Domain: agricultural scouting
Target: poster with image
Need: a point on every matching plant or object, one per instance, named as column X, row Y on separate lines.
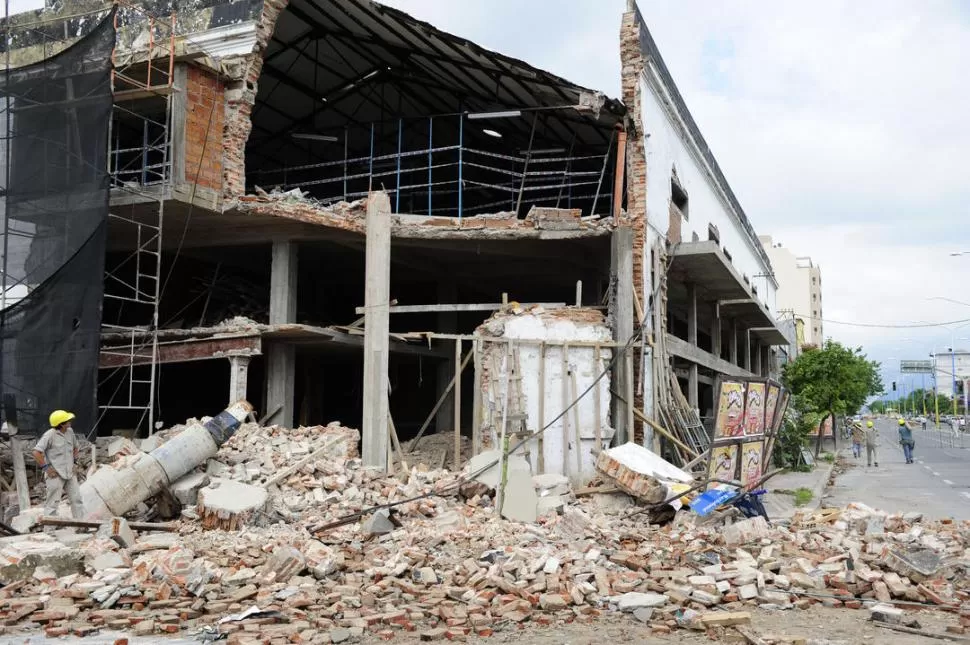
column 723, row 462
column 754, row 409
column 730, row 409
column 752, row 454
column 771, row 405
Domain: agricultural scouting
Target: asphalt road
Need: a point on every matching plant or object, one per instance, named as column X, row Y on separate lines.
column 938, row 484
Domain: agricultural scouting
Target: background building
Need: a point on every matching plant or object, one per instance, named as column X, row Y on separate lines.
column 799, row 294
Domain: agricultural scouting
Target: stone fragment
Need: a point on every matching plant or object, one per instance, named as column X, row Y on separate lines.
column 339, row 635
column 552, row 602
column 725, row 618
column 886, row 614
column 635, row 600
column 229, row 505
column 643, row 614
column 117, row 529
column 379, row 523
column 745, row 531
column 286, row 562
column 186, row 490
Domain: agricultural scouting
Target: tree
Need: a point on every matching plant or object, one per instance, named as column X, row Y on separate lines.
column 833, row 380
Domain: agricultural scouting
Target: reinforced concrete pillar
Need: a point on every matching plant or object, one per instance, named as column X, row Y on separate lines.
column 377, row 290
column 238, row 377
column 281, row 357
column 622, row 268
column 747, row 350
column 692, row 397
column 733, row 343
column 716, row 330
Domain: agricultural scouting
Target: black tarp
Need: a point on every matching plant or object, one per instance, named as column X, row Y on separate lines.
column 54, row 121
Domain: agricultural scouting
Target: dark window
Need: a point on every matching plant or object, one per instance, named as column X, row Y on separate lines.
column 713, row 234
column 679, row 197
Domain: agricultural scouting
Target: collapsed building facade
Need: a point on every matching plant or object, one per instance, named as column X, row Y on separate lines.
column 337, row 211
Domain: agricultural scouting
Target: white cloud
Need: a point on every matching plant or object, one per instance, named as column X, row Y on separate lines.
column 841, row 126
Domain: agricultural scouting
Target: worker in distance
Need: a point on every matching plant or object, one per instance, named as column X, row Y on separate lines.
column 56, row 454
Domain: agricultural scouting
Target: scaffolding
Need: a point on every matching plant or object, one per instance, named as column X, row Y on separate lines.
column 140, row 167
column 443, row 175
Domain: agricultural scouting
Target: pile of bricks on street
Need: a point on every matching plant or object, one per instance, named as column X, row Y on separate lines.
column 447, row 566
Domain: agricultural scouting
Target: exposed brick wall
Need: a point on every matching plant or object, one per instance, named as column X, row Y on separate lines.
column 205, row 112
column 240, row 100
column 632, row 65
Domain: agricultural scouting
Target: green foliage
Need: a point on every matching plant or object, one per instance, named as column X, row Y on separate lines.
column 834, row 379
column 803, row 496
column 827, row 457
column 792, row 437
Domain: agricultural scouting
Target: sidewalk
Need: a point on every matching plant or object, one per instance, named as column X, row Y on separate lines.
column 781, row 506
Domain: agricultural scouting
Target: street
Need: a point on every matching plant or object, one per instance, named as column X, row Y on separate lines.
column 938, row 484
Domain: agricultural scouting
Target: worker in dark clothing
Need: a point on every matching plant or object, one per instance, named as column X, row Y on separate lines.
column 906, row 440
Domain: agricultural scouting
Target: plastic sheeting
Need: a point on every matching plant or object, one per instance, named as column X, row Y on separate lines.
column 54, row 122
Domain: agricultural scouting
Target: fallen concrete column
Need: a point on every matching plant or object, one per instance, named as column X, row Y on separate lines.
column 112, row 492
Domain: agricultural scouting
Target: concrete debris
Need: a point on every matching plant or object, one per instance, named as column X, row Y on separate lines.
column 186, row 490
column 640, row 472
column 449, row 567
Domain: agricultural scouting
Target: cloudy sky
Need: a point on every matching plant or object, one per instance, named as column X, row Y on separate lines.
column 842, row 126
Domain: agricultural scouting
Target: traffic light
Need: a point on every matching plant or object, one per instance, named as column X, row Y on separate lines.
column 894, row 386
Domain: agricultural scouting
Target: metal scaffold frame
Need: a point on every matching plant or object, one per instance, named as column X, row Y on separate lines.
column 144, row 170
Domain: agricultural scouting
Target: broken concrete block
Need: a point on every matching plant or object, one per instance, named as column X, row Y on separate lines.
column 745, row 531
column 426, row 576
column 117, row 529
column 520, row 502
column 552, row 602
column 286, row 562
column 551, row 484
column 107, row 560
column 186, row 489
column 550, row 504
column 725, row 618
column 747, row 592
column 551, row 566
column 379, row 523
column 26, row 520
column 229, row 505
column 643, row 614
column 886, row 614
column 635, row 600
column 640, row 472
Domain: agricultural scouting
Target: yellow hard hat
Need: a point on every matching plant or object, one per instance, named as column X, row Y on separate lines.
column 868, row 424
column 60, row 416
column 902, row 422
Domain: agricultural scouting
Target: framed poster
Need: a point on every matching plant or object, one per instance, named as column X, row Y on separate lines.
column 754, row 408
column 729, row 421
column 723, row 463
column 771, row 405
column 752, row 460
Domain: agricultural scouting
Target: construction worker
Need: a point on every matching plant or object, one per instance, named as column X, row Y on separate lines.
column 871, row 435
column 906, row 440
column 858, row 436
column 56, row 453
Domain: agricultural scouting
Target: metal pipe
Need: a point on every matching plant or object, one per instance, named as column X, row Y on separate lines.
column 525, row 165
column 397, row 191
column 430, row 148
column 370, row 163
column 461, row 146
column 111, row 492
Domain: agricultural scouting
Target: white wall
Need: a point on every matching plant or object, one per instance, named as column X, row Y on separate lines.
column 795, row 288
column 550, row 327
column 666, row 148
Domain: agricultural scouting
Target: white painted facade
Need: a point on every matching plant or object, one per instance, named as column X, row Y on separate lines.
column 799, row 289
column 947, row 364
column 559, row 446
column 670, row 148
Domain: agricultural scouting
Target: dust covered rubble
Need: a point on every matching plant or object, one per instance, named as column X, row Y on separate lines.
column 448, row 567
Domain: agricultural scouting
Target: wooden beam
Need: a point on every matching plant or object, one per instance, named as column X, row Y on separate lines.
column 437, row 406
column 425, row 309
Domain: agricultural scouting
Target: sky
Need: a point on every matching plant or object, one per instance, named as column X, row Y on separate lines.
column 841, row 126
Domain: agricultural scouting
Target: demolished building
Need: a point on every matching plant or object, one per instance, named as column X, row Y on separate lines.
column 340, row 201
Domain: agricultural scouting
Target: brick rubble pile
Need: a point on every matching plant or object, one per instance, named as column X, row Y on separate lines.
column 447, row 567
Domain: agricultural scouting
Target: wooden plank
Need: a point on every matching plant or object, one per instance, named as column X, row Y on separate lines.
column 923, row 632
column 564, row 376
column 169, row 527
column 19, row 470
column 576, row 429
column 592, row 490
column 477, row 399
column 484, row 306
column 541, row 459
column 437, row 406
column 597, row 403
column 459, row 366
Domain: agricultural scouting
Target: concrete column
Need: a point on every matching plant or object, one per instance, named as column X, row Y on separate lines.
column 733, row 343
column 238, row 377
column 756, row 358
column 716, row 330
column 377, row 289
column 281, row 357
column 692, row 314
column 692, row 385
column 747, row 350
column 447, row 322
column 622, row 268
